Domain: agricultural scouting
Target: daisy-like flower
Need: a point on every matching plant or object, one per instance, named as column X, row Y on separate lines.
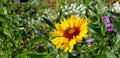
column 69, row 32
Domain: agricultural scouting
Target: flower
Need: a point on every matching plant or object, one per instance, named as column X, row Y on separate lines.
column 109, row 25
column 69, row 32
column 106, row 19
column 89, row 40
column 116, row 7
column 74, row 9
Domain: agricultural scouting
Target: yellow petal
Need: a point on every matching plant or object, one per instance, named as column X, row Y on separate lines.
column 83, row 30
column 83, row 33
column 62, row 42
column 75, row 20
column 78, row 39
column 59, row 41
column 72, row 41
column 66, row 48
column 71, row 44
column 57, row 33
column 64, row 27
column 82, row 21
column 55, row 41
column 65, row 42
column 59, row 27
column 65, row 22
column 70, row 23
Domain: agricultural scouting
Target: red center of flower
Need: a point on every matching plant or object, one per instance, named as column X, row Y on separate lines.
column 71, row 32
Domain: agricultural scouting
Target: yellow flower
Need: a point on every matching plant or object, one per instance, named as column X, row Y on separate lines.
column 69, row 32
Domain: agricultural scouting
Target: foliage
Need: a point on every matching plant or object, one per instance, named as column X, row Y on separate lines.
column 25, row 29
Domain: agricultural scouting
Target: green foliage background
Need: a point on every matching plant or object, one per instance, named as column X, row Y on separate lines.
column 24, row 31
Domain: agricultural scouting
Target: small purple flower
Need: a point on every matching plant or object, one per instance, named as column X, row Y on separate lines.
column 110, row 29
column 106, row 19
column 90, row 42
column 109, row 25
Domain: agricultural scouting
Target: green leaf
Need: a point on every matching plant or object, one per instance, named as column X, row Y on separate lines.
column 35, row 40
column 36, row 55
column 110, row 54
column 3, row 1
column 23, row 55
column 116, row 24
column 5, row 25
column 31, row 54
column 62, row 55
column 48, row 22
column 7, row 33
column 118, row 40
column 7, row 54
column 100, row 56
column 92, row 8
column 1, row 56
column 103, row 29
column 42, row 38
column 58, row 19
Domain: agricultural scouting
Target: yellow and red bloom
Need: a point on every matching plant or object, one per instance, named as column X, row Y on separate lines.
column 69, row 32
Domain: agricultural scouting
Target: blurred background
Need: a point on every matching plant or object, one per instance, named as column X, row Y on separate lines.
column 25, row 27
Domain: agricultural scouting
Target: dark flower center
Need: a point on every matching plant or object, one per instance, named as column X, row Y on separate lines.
column 71, row 32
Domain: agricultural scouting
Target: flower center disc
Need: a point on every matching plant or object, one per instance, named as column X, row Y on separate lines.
column 71, row 32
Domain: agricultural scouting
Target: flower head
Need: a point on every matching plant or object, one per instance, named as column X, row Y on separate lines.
column 109, row 25
column 106, row 19
column 69, row 32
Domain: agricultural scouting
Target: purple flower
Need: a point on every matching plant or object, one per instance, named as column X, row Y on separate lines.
column 109, row 25
column 90, row 42
column 106, row 19
column 110, row 29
